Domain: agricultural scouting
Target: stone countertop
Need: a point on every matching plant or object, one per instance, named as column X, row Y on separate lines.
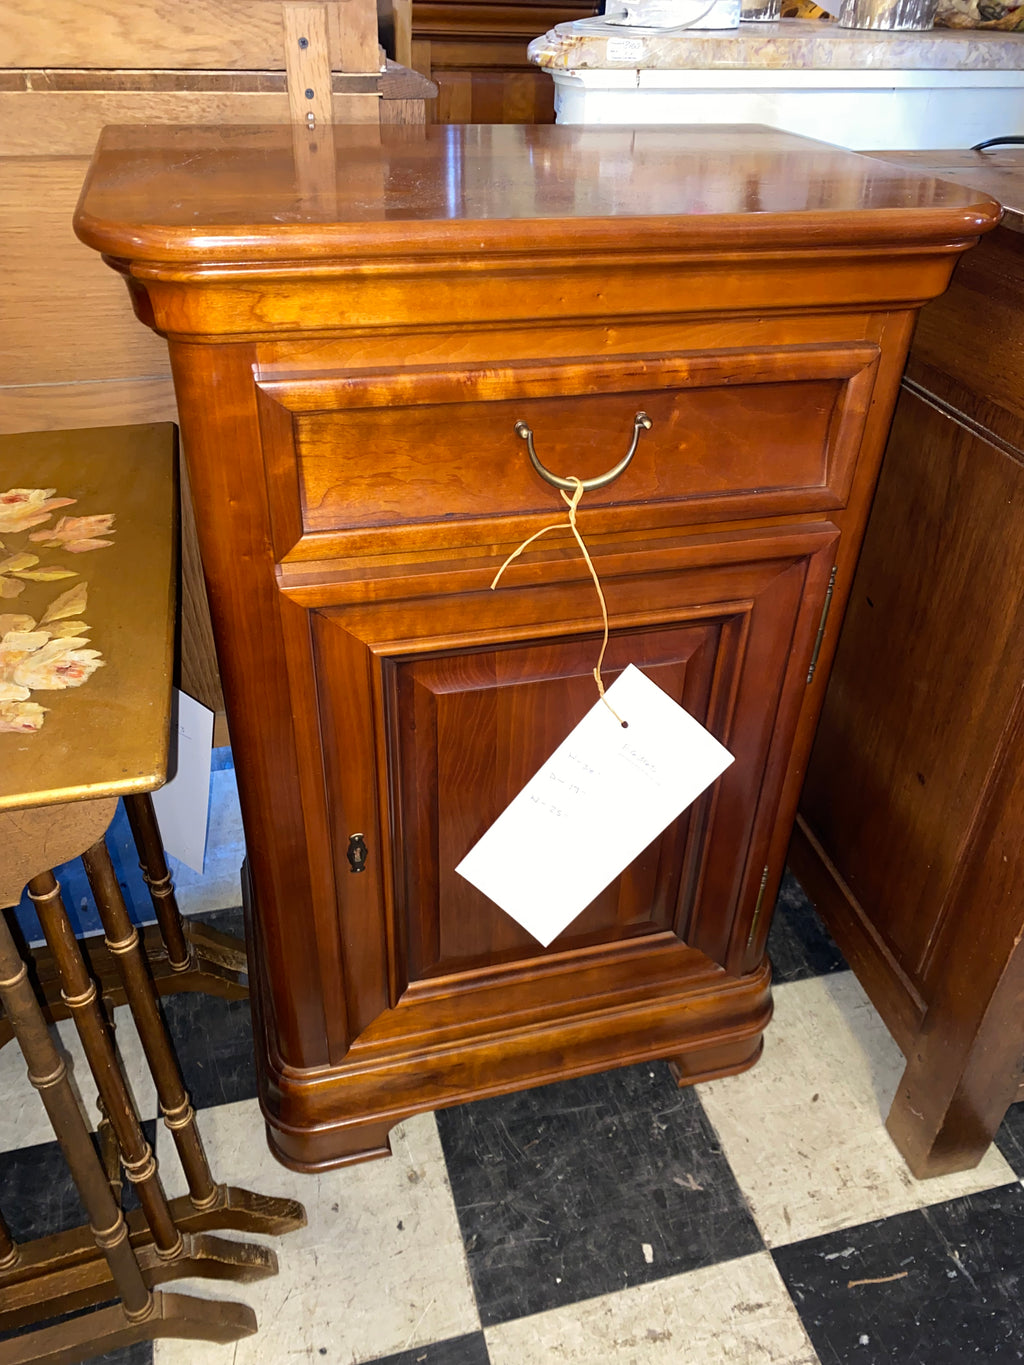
column 789, row 44
column 999, row 173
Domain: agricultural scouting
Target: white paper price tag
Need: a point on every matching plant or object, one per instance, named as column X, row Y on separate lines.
column 600, row 799
column 624, row 49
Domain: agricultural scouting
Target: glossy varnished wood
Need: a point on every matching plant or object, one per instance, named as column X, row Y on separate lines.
column 372, row 322
column 196, row 193
column 914, row 857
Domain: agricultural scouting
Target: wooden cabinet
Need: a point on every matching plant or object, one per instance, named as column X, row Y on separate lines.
column 475, row 52
column 350, row 367
column 910, row 832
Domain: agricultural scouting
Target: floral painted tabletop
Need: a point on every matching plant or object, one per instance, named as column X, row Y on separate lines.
column 87, row 553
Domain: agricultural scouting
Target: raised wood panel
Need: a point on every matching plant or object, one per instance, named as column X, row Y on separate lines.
column 728, row 641
column 701, row 445
column 770, row 431
column 477, row 95
column 472, row 730
column 944, row 546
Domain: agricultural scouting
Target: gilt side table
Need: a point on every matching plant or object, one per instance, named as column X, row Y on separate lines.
column 86, row 645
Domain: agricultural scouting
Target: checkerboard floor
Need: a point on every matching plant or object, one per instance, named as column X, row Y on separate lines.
column 762, row 1218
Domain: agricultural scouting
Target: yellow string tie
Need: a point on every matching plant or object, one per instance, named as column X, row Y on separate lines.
column 572, row 504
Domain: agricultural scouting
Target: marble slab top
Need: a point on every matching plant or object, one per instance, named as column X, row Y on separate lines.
column 789, row 44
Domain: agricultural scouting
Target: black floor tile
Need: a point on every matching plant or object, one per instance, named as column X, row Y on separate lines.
column 230, row 920
column 1010, row 1138
column 213, row 1040
column 799, row 945
column 468, row 1350
column 38, row 1196
column 585, row 1186
column 213, row 1037
column 938, row 1286
column 139, row 1354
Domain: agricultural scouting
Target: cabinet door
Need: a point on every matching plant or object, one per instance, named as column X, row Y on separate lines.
column 435, row 712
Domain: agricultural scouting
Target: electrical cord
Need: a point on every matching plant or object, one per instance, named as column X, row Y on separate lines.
column 1017, row 140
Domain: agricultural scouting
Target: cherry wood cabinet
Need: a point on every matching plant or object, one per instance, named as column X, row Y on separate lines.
column 355, row 330
column 909, row 837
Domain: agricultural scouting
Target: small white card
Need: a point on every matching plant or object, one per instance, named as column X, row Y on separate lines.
column 600, row 799
column 183, row 803
column 624, row 49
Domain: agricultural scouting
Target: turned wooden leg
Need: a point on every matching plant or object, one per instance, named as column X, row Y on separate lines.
column 153, row 862
column 59, row 1272
column 123, row 942
column 228, row 1206
column 204, row 959
column 82, row 1000
column 48, row 1073
column 8, row 1248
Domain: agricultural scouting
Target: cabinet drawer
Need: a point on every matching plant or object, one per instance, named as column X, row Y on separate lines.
column 363, row 462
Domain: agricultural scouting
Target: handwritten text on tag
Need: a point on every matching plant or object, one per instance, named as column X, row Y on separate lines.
column 600, row 799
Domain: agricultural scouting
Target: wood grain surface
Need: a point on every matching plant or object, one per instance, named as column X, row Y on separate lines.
column 915, row 782
column 350, row 354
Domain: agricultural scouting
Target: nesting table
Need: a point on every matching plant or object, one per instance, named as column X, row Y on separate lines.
column 87, row 525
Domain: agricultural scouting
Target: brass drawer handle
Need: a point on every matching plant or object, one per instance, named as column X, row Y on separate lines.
column 640, row 423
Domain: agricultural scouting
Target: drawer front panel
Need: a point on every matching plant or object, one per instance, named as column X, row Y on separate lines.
column 364, row 461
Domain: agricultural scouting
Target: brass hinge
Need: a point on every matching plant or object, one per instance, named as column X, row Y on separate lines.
column 822, row 623
column 758, row 905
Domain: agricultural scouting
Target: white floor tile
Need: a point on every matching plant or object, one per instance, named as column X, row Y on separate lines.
column 23, row 1120
column 804, row 1130
column 734, row 1313
column 380, row 1268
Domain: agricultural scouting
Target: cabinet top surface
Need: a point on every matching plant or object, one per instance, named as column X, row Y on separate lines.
column 999, row 173
column 252, row 194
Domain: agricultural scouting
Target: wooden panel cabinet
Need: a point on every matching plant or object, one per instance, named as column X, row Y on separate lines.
column 350, row 369
column 910, row 832
column 475, row 52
